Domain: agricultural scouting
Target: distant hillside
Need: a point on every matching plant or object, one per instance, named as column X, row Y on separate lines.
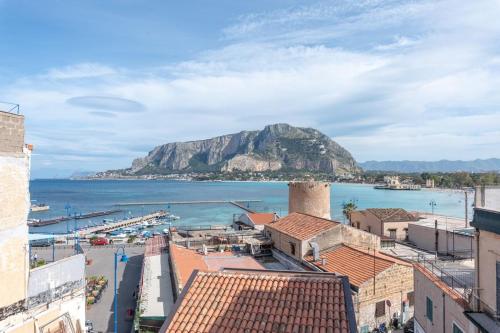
column 491, row 164
column 276, row 147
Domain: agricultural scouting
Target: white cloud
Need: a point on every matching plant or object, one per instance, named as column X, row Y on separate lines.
column 389, row 80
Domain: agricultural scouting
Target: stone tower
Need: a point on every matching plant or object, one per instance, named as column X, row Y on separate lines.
column 309, row 197
column 14, row 207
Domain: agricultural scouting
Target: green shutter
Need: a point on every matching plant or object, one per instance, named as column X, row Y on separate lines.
column 429, row 307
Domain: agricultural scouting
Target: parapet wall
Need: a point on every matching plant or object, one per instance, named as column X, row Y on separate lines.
column 11, row 133
column 310, row 197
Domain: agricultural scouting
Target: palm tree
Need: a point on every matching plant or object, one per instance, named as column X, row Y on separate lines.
column 348, row 208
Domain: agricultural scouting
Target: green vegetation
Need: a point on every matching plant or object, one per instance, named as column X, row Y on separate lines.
column 348, row 208
column 441, row 179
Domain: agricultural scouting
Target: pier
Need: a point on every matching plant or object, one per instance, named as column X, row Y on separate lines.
column 121, row 224
column 237, row 204
column 194, row 202
column 42, row 223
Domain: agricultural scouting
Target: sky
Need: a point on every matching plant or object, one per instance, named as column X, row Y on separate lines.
column 103, row 82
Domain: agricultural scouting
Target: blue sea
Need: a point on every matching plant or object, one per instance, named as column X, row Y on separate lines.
column 84, row 196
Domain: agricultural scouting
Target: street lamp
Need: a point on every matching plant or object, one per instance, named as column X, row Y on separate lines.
column 432, row 204
column 123, row 258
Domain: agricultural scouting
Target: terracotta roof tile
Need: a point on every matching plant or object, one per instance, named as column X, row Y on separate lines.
column 302, row 226
column 356, row 264
column 262, row 218
column 238, row 303
column 392, row 214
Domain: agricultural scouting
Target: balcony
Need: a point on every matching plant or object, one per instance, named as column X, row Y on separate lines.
column 55, row 280
column 486, row 318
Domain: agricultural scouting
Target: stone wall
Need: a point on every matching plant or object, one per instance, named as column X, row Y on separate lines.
column 11, row 133
column 283, row 243
column 14, row 208
column 392, row 285
column 311, row 198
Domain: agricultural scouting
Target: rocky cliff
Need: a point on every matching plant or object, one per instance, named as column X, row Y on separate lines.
column 276, row 147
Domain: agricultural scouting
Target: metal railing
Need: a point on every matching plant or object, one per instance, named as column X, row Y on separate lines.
column 9, row 107
column 460, row 285
column 480, row 306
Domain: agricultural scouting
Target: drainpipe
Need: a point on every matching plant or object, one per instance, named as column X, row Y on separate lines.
column 444, row 313
column 436, row 238
column 476, row 260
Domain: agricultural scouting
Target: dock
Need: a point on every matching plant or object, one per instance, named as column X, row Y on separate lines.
column 194, row 202
column 239, row 205
column 121, row 224
column 60, row 219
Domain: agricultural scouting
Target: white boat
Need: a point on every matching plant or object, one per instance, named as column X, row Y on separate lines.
column 166, row 232
column 39, row 207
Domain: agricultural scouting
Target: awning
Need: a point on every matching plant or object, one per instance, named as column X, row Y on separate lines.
column 482, row 321
column 34, row 237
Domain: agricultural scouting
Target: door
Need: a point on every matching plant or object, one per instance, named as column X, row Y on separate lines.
column 498, row 286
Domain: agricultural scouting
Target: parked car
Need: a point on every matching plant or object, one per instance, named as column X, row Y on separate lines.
column 99, row 241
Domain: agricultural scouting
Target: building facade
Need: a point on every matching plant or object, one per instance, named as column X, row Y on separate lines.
column 50, row 298
column 384, row 222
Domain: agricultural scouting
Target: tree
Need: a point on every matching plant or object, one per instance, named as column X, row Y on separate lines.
column 348, row 208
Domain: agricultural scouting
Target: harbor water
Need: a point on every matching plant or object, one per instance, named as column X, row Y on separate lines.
column 84, row 196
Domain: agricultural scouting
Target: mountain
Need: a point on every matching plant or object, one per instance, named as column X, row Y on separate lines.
column 491, row 164
column 276, row 147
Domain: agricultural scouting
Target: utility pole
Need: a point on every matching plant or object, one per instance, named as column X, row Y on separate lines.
column 466, row 209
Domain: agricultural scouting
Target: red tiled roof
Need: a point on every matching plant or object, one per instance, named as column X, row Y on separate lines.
column 392, row 214
column 302, row 226
column 261, row 218
column 356, row 264
column 263, row 301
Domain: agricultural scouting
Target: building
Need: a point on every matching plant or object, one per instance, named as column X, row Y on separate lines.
column 442, row 235
column 485, row 313
column 263, row 301
column 254, row 220
column 382, row 285
column 155, row 298
column 312, row 198
column 384, row 222
column 429, row 183
column 293, row 233
column 440, row 300
column 49, row 298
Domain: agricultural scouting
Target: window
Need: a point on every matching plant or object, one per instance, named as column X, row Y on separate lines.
column 292, row 248
column 411, row 298
column 369, row 229
column 457, row 329
column 380, row 309
column 428, row 309
column 392, row 233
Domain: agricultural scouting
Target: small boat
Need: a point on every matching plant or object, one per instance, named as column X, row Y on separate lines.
column 166, row 232
column 156, row 233
column 39, row 207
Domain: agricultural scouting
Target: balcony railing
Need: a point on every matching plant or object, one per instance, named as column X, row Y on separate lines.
column 9, row 107
column 53, row 281
column 463, row 285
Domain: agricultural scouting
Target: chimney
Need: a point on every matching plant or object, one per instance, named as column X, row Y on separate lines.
column 205, row 250
column 315, row 248
column 323, row 261
column 275, row 217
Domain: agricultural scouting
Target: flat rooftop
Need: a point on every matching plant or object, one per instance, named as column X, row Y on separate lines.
column 444, row 222
column 156, row 296
column 187, row 260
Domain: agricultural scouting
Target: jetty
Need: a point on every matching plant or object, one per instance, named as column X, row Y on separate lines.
column 41, row 223
column 122, row 223
column 193, row 202
column 237, row 204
